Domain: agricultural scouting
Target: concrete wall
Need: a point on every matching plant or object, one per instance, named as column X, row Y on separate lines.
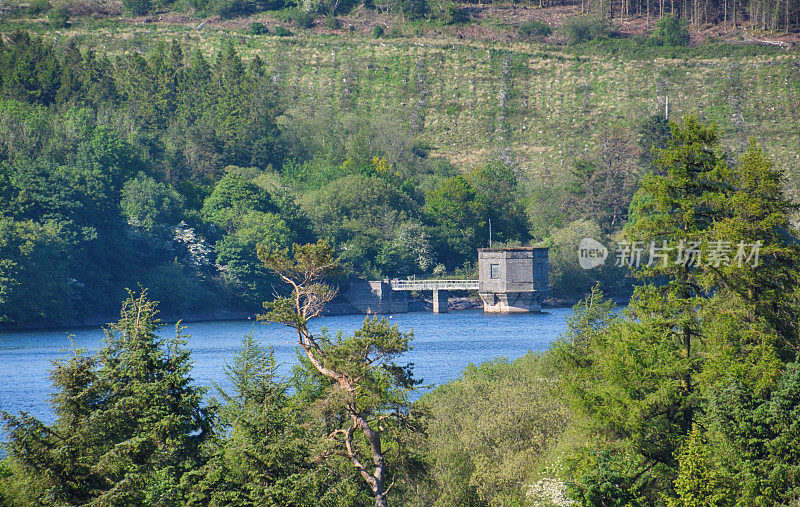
column 375, row 297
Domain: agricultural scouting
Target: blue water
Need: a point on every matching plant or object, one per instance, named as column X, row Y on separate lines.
column 444, row 344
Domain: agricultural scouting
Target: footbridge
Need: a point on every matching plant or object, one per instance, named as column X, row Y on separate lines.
column 440, row 289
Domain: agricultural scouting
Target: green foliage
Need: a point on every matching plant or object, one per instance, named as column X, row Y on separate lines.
column 305, row 268
column 232, row 198
column 480, row 457
column 654, row 135
column 303, row 19
column 303, row 15
column 459, row 216
column 601, row 189
column 359, row 385
column 129, row 421
column 257, row 28
column 671, row 31
column 580, row 29
column 39, row 7
column 700, row 480
column 567, row 278
column 543, row 207
column 745, row 451
column 232, row 8
column 377, row 32
column 496, row 187
column 534, row 30
column 282, row 32
column 148, row 204
column 697, row 335
column 608, row 482
column 59, row 16
column 176, row 288
column 332, row 22
column 448, row 12
column 633, row 401
column 236, row 254
column 262, row 454
column 75, row 176
column 137, row 7
column 410, row 9
column 367, row 218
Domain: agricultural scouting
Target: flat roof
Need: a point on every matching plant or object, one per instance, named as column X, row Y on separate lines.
column 513, row 249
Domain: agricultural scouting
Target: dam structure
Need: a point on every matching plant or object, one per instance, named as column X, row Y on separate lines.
column 510, row 280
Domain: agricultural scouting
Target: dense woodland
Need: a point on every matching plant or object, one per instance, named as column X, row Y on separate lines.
column 166, row 170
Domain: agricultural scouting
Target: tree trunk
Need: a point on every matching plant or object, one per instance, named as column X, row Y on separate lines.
column 374, row 479
column 786, row 17
column 725, row 15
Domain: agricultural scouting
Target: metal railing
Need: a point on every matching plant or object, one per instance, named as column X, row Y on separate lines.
column 434, row 284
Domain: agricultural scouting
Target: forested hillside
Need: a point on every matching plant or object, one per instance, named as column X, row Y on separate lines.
column 164, row 156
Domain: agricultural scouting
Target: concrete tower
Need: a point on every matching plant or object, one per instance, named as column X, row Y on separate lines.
column 512, row 279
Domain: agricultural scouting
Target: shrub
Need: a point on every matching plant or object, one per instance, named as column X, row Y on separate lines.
column 232, row 8
column 671, row 31
column 463, row 420
column 447, row 11
column 456, row 15
column 282, row 32
column 332, row 22
column 39, row 7
column 377, row 32
column 411, row 9
column 534, row 30
column 585, row 28
column 137, row 7
column 257, row 28
column 396, row 32
column 59, row 16
column 303, row 19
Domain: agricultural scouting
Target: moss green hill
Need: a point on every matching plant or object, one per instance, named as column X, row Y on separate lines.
column 538, row 105
column 472, row 101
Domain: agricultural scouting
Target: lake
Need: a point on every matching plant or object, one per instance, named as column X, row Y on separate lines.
column 444, row 344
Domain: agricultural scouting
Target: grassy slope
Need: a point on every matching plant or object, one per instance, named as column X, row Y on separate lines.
column 542, row 105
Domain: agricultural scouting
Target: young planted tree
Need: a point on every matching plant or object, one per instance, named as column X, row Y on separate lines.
column 361, row 381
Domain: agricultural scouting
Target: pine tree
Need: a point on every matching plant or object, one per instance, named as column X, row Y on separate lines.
column 719, row 305
column 129, row 421
column 356, row 377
